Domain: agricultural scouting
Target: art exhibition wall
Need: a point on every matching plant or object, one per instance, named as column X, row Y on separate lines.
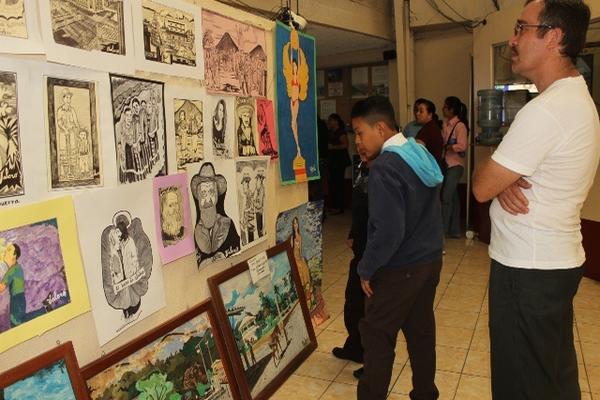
column 185, row 285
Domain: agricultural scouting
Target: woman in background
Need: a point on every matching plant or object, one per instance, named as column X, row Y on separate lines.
column 430, row 134
column 338, row 160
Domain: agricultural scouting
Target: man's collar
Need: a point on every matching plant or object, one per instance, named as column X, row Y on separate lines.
column 397, row 140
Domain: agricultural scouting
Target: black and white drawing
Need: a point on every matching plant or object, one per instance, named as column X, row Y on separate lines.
column 215, row 233
column 172, row 226
column 12, row 19
column 73, row 133
column 222, row 122
column 245, row 126
column 189, row 131
column 251, row 180
column 139, row 121
column 89, row 25
column 169, row 34
column 11, row 173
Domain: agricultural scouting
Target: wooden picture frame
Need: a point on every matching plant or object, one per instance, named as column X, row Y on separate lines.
column 54, row 362
column 152, row 341
column 253, row 331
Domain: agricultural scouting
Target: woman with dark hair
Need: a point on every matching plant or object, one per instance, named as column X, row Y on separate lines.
column 303, row 269
column 455, row 132
column 430, row 134
column 338, row 160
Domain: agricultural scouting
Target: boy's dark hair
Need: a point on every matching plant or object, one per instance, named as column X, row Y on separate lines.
column 375, row 109
column 572, row 17
column 17, row 250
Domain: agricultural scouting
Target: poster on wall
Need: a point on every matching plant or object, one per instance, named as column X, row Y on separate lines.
column 19, row 27
column 174, row 233
column 188, row 117
column 223, row 125
column 139, row 123
column 235, row 57
column 167, row 36
column 11, row 169
column 303, row 228
column 380, row 80
column 360, row 82
column 42, row 283
column 123, row 269
column 90, row 34
column 267, row 141
column 185, row 358
column 296, row 105
column 264, row 320
column 251, row 177
column 73, row 140
column 245, row 126
column 215, row 211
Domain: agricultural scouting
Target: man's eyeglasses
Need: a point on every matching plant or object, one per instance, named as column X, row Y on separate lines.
column 519, row 27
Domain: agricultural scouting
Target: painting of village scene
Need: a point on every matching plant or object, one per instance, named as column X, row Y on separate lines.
column 32, row 273
column 266, row 322
column 235, row 59
column 89, row 25
column 180, row 362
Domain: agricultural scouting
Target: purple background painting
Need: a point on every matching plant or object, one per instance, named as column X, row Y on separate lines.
column 43, row 267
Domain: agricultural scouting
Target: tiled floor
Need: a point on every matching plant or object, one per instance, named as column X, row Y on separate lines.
column 461, row 316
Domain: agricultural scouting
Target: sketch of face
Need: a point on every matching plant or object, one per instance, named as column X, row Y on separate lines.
column 122, row 227
column 245, row 117
column 67, row 98
column 208, row 203
column 128, row 116
column 220, row 112
column 143, row 104
column 181, row 116
column 136, row 107
column 171, row 215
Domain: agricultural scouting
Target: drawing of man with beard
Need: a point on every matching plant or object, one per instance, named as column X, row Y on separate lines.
column 171, row 216
column 215, row 234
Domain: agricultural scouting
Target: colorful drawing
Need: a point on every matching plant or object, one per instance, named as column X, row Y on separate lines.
column 267, row 143
column 53, row 375
column 215, row 232
column 73, row 133
column 245, row 126
column 251, row 177
column 265, row 322
column 182, row 359
column 302, row 228
column 223, row 121
column 11, row 172
column 189, row 131
column 172, row 213
column 12, row 19
column 41, row 282
column 139, row 121
column 296, row 105
column 234, row 56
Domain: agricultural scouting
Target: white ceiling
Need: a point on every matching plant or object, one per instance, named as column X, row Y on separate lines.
column 331, row 41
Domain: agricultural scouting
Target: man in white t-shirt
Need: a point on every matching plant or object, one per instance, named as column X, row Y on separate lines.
column 540, row 176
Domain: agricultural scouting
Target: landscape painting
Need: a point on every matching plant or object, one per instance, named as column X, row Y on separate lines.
column 53, row 375
column 235, row 58
column 11, row 171
column 302, row 227
column 265, row 322
column 181, row 359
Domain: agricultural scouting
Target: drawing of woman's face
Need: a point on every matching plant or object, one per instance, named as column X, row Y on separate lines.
column 245, row 117
column 220, row 111
column 295, row 224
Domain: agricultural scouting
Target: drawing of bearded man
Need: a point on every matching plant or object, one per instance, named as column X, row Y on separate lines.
column 171, row 216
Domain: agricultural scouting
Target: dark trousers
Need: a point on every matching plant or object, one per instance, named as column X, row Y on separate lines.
column 531, row 333
column 354, row 310
column 402, row 299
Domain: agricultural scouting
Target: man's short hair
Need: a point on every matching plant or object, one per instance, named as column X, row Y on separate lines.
column 17, row 250
column 572, row 17
column 375, row 109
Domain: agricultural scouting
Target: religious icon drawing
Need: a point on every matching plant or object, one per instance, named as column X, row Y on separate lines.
column 235, row 61
column 11, row 172
column 245, row 126
column 251, row 177
column 223, row 123
column 139, row 122
column 189, row 131
column 267, row 143
column 73, row 133
column 12, row 19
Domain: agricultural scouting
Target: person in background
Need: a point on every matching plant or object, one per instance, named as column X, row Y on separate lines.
column 430, row 134
column 315, row 186
column 338, row 160
column 413, row 127
column 540, row 176
column 354, row 304
column 401, row 263
column 455, row 133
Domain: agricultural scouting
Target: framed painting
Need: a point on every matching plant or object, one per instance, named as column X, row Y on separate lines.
column 302, row 227
column 42, row 283
column 53, row 375
column 252, row 180
column 184, row 358
column 235, row 57
column 265, row 320
column 296, row 105
column 11, row 169
column 73, row 139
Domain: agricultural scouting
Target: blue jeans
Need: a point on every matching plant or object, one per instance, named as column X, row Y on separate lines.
column 450, row 201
